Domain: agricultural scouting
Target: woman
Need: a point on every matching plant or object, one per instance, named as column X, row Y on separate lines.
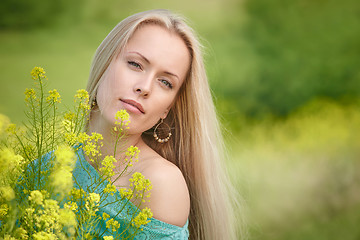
column 151, row 65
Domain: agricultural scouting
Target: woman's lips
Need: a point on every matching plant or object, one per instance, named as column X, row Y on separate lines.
column 133, row 105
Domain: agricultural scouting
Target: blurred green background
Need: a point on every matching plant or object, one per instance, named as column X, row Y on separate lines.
column 286, row 81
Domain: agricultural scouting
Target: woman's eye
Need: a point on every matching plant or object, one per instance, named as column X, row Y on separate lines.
column 166, row 83
column 134, row 64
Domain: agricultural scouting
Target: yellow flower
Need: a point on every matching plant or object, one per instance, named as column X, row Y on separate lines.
column 61, row 180
column 61, row 176
column 108, row 238
column 7, row 193
column 110, row 189
column 142, row 217
column 9, row 161
column 122, row 116
column 30, row 94
column 44, row 236
column 36, row 197
column 105, row 216
column 21, row 233
column 71, row 205
column 139, row 182
column 92, row 202
column 70, row 138
column 38, row 72
column 8, row 237
column 131, row 154
column 126, row 193
column 121, row 120
column 112, row 224
column 132, row 151
column 67, row 217
column 11, row 128
column 82, row 94
column 70, row 116
column 94, row 198
column 78, row 193
column 54, row 97
column 4, row 208
column 65, row 156
column 108, row 166
column 140, row 186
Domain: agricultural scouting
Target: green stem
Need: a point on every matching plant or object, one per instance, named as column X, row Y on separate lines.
column 40, row 141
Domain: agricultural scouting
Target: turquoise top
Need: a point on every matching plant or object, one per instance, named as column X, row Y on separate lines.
column 85, row 175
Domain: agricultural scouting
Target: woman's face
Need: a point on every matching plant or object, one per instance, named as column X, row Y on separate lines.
column 145, row 79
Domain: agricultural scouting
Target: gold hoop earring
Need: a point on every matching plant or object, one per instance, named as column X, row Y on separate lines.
column 162, row 140
column 94, row 103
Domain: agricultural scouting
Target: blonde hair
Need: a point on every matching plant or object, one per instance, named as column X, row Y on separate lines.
column 196, row 143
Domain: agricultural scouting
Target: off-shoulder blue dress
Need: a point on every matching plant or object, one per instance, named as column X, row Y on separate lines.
column 84, row 177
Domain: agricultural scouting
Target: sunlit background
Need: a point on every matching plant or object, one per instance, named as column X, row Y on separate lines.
column 285, row 76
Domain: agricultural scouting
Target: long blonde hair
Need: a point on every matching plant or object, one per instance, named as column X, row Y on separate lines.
column 196, row 142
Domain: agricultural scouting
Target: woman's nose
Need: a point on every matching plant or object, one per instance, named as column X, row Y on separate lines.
column 143, row 86
column 142, row 91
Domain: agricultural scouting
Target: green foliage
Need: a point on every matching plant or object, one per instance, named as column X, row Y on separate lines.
column 301, row 49
column 299, row 175
column 25, row 14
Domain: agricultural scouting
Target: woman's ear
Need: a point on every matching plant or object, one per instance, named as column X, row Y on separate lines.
column 165, row 114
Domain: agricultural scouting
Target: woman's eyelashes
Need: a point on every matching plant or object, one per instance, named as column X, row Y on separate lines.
column 166, row 83
column 135, row 64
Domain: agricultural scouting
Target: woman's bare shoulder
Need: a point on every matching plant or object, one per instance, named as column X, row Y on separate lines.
column 169, row 201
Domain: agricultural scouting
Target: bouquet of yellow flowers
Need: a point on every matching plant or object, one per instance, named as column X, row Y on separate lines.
column 48, row 190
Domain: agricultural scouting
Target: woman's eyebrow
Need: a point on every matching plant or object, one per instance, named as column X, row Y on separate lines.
column 142, row 56
column 172, row 74
column 147, row 60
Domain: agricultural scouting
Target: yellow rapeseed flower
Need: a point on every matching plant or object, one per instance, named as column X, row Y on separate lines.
column 7, row 193
column 141, row 186
column 54, row 97
column 61, row 180
column 70, row 137
column 78, row 193
column 9, row 161
column 70, row 116
column 142, row 217
column 65, row 156
column 30, row 94
column 108, row 166
column 71, row 205
column 105, row 216
column 113, row 225
column 21, row 233
column 110, row 188
column 11, row 128
column 94, row 198
column 139, row 182
column 131, row 155
column 44, row 236
column 82, row 94
column 126, row 193
column 38, row 72
column 122, row 116
column 108, row 238
column 9, row 237
column 4, row 208
column 61, row 176
column 36, row 197
column 67, row 217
